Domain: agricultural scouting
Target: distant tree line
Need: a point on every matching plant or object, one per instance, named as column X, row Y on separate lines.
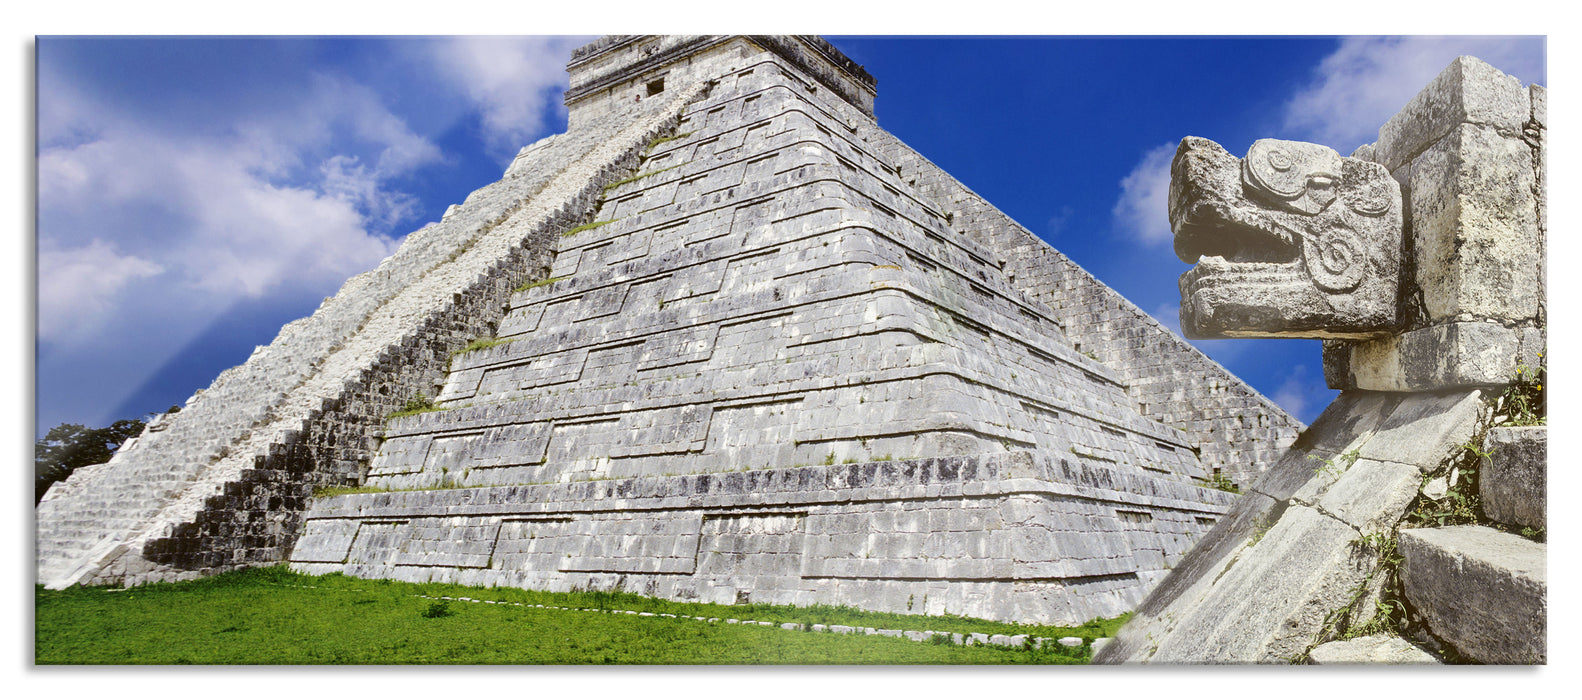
column 69, row 446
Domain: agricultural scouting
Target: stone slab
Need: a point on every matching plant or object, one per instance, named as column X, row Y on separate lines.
column 1514, row 484
column 1425, row 428
column 1482, row 591
column 1445, row 356
column 1371, row 650
column 1256, row 588
column 1263, row 605
column 1467, row 91
column 1474, row 226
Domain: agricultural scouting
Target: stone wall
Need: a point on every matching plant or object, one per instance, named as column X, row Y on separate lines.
column 1468, row 152
column 1238, row 432
column 1019, row 536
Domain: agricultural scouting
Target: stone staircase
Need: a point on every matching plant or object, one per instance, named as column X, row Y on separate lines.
column 1479, row 593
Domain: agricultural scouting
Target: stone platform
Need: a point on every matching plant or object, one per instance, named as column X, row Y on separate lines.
column 726, row 339
column 1022, row 536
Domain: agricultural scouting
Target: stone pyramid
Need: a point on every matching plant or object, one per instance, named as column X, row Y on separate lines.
column 725, row 340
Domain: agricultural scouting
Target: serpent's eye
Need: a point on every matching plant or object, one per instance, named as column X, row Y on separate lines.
column 1279, row 160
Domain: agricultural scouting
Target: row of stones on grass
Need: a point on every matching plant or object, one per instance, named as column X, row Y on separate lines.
column 957, row 638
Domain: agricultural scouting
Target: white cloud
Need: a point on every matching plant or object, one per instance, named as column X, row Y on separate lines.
column 1057, row 222
column 1169, row 316
column 1142, row 210
column 1302, row 395
column 297, row 198
column 81, row 283
column 1368, row 79
column 509, row 79
column 205, row 211
column 1292, row 394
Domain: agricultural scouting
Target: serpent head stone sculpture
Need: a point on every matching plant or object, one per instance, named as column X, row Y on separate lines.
column 1291, row 241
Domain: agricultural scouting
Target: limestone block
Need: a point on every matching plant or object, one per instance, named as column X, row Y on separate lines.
column 1371, row 496
column 1482, row 591
column 1266, row 604
column 1371, row 650
column 1468, row 91
column 1442, row 356
column 1424, row 428
column 1514, row 481
column 1474, row 226
column 1345, row 426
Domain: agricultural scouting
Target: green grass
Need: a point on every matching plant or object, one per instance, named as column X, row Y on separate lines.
column 272, row 616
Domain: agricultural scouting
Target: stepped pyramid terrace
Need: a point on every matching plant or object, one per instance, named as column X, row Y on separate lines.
column 725, row 339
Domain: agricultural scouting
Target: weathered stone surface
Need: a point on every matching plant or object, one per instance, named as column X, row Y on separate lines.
column 1482, row 591
column 1474, row 226
column 1469, row 157
column 1291, row 241
column 1469, row 91
column 1448, row 355
column 1369, row 495
column 1266, row 602
column 1259, row 586
column 1425, row 428
column 827, row 536
column 1514, row 481
column 1377, row 649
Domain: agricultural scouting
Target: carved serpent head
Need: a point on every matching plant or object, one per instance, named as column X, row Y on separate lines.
column 1291, row 241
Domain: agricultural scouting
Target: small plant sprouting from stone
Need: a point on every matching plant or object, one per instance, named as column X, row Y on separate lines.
column 414, row 406
column 639, row 176
column 480, row 344
column 1523, row 402
column 661, row 140
column 829, row 459
column 1389, row 613
column 1337, row 465
column 1222, row 483
column 1260, row 527
column 541, row 283
column 1461, row 504
column 587, row 227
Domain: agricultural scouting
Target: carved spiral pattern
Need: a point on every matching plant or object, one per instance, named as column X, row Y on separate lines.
column 1334, row 261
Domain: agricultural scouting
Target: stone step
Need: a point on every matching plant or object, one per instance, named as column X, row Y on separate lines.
column 1482, row 591
column 1370, row 650
column 1514, row 482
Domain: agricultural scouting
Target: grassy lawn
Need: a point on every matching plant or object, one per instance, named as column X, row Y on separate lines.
column 274, row 616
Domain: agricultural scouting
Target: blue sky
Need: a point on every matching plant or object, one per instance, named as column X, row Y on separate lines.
column 194, row 194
